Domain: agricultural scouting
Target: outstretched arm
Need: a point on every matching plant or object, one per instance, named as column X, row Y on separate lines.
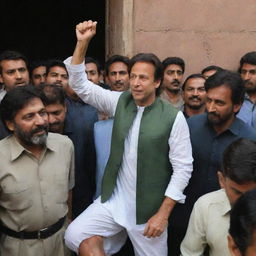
column 85, row 31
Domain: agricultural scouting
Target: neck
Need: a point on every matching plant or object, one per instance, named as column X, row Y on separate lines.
column 192, row 112
column 36, row 150
column 252, row 96
column 174, row 96
column 223, row 127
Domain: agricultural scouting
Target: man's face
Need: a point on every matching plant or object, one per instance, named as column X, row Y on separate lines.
column 56, row 114
column 248, row 74
column 142, row 83
column 220, row 108
column 173, row 75
column 14, row 73
column 92, row 72
column 38, row 75
column 118, row 77
column 194, row 93
column 233, row 189
column 209, row 73
column 57, row 75
column 30, row 124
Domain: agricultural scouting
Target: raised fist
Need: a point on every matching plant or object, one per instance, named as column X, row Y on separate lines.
column 86, row 30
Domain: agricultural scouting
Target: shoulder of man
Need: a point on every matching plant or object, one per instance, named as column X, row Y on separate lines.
column 59, row 140
column 211, row 198
column 246, row 131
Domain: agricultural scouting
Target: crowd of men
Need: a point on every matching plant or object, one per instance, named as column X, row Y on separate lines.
column 135, row 160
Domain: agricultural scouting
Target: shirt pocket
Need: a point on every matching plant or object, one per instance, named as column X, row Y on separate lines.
column 61, row 191
column 15, row 195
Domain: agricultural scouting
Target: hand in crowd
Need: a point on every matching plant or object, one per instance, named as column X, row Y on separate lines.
column 155, row 225
column 86, row 30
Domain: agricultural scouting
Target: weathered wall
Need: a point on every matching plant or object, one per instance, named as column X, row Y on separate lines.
column 203, row 32
column 119, row 27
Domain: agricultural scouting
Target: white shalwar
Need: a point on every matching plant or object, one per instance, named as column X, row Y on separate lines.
column 117, row 217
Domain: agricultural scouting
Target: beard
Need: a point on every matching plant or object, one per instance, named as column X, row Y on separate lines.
column 216, row 119
column 250, row 87
column 29, row 138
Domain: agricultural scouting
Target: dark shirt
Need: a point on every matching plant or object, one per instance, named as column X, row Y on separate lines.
column 79, row 123
column 3, row 131
column 208, row 148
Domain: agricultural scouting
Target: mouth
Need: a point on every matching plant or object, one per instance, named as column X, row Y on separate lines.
column 20, row 84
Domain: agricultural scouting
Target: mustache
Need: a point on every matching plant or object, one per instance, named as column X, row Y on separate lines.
column 118, row 83
column 194, row 97
column 175, row 81
column 40, row 128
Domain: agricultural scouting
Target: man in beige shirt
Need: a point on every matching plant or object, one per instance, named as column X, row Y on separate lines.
column 36, row 177
column 209, row 220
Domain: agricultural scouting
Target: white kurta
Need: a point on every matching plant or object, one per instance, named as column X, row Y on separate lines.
column 122, row 203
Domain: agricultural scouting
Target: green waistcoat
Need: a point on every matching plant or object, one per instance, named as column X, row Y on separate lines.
column 153, row 166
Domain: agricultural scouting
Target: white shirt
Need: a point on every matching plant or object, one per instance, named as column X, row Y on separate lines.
column 180, row 153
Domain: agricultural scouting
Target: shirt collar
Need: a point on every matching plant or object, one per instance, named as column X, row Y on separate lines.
column 234, row 128
column 226, row 205
column 17, row 149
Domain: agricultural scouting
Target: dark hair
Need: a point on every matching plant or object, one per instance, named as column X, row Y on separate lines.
column 243, row 221
column 230, row 79
column 35, row 64
column 16, row 99
column 174, row 60
column 92, row 60
column 53, row 94
column 190, row 77
column 212, row 67
column 54, row 63
column 116, row 58
column 153, row 59
column 239, row 161
column 249, row 58
column 12, row 55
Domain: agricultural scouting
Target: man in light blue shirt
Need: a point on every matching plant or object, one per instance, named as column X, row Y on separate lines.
column 247, row 70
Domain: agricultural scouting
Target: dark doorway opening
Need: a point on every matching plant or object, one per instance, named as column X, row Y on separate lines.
column 46, row 29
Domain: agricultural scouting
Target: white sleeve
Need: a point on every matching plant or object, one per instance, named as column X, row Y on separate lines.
column 102, row 99
column 180, row 156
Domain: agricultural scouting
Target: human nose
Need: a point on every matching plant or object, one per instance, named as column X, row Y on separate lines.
column 211, row 107
column 51, row 118
column 246, row 76
column 18, row 75
column 39, row 120
column 118, row 78
column 195, row 92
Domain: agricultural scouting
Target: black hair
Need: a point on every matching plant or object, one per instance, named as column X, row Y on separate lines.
column 54, row 63
column 212, row 67
column 116, row 58
column 16, row 99
column 53, row 94
column 230, row 79
column 243, row 221
column 92, row 60
column 12, row 55
column 154, row 60
column 249, row 58
column 35, row 64
column 190, row 77
column 239, row 161
column 174, row 60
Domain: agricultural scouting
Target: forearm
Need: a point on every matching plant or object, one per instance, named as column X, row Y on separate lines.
column 79, row 52
column 166, row 207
